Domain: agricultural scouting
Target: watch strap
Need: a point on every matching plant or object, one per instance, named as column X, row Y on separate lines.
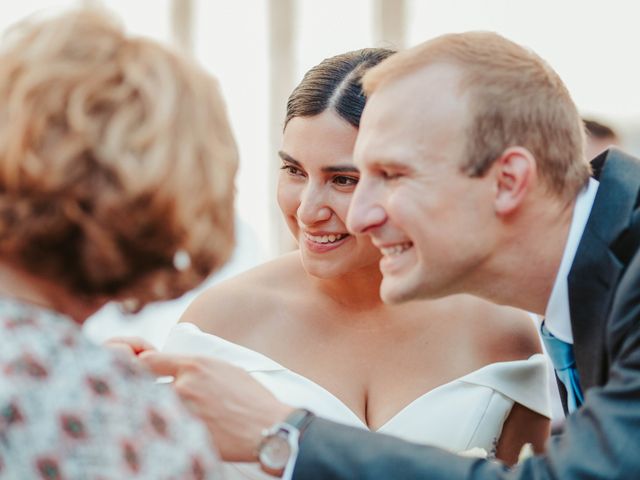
column 300, row 419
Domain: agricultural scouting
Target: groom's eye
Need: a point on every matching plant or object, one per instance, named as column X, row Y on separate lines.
column 389, row 175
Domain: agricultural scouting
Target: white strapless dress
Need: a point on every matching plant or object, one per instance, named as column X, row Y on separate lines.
column 462, row 414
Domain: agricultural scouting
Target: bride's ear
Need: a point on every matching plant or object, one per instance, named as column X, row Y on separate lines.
column 514, row 172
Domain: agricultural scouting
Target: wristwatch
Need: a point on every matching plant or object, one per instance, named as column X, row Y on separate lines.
column 281, row 441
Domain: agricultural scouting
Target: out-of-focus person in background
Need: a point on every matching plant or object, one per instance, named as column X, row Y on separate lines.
column 116, row 183
column 153, row 323
column 311, row 326
column 598, row 137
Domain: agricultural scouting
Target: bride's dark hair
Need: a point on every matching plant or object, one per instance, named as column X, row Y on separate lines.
column 335, row 83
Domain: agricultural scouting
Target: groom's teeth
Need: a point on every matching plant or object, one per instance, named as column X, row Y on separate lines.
column 396, row 249
column 325, row 238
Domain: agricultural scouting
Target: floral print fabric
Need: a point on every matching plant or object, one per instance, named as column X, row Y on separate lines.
column 71, row 410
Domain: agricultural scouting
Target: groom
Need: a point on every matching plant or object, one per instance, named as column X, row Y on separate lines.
column 473, row 179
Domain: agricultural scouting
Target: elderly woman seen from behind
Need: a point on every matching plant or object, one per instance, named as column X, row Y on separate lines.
column 116, row 172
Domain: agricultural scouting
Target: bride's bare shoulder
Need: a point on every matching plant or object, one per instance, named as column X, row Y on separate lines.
column 497, row 333
column 233, row 306
column 513, row 333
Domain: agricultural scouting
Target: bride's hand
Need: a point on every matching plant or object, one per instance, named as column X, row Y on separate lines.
column 130, row 345
column 233, row 405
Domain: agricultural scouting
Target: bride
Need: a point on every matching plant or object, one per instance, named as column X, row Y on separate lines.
column 311, row 327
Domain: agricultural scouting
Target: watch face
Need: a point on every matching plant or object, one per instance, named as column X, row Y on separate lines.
column 275, row 452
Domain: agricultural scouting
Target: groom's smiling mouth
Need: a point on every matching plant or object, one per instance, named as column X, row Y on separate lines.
column 396, row 249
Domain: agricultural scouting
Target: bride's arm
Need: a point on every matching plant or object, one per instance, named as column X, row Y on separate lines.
column 518, row 338
column 522, row 426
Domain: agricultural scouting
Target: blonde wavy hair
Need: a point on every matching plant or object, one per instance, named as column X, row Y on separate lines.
column 116, row 161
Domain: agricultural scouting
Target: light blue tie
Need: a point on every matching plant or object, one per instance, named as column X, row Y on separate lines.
column 561, row 354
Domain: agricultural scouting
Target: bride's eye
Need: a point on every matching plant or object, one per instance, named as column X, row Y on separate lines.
column 345, row 181
column 291, row 170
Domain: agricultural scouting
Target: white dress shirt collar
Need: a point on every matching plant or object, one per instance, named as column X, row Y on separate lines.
column 557, row 317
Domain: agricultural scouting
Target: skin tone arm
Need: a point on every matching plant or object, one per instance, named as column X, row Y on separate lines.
column 522, row 426
column 514, row 337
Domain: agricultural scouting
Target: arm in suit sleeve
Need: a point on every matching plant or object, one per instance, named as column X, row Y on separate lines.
column 601, row 439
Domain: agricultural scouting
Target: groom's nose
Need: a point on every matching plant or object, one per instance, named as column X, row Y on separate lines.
column 365, row 210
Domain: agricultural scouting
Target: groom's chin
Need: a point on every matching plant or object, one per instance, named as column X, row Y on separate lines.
column 392, row 293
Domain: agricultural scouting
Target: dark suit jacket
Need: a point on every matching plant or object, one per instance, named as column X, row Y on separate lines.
column 602, row 439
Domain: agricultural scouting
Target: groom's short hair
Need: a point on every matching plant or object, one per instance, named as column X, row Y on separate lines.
column 515, row 98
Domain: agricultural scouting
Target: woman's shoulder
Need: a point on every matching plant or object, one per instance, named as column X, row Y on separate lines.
column 506, row 333
column 495, row 333
column 232, row 306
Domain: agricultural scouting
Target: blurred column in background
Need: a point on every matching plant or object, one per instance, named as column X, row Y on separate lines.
column 182, row 24
column 282, row 40
column 389, row 23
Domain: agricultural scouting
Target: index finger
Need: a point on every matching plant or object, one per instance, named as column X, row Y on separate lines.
column 163, row 364
column 137, row 345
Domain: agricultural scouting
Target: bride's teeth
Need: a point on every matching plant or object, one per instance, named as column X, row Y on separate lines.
column 326, row 238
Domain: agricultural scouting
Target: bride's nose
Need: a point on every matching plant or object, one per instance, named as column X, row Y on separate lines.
column 313, row 207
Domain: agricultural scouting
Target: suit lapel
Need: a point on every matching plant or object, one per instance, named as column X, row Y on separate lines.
column 592, row 281
column 597, row 266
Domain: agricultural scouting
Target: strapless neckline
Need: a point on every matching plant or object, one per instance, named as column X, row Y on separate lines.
column 461, row 414
column 254, row 361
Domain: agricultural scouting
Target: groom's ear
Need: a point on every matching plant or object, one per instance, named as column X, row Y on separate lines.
column 514, row 172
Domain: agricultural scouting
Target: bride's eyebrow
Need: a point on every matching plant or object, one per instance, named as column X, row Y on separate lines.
column 288, row 158
column 346, row 168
